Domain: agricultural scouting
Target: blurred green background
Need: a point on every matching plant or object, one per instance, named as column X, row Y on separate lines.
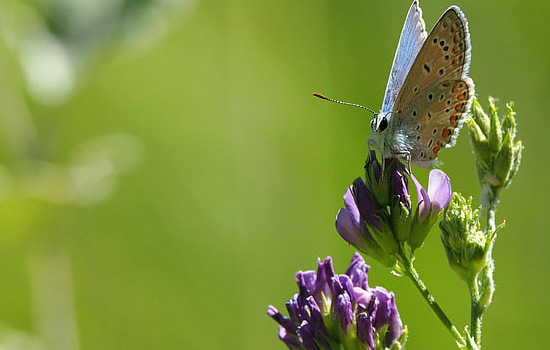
column 166, row 171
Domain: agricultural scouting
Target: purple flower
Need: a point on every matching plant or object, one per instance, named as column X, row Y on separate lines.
column 376, row 211
column 436, row 198
column 373, row 168
column 400, row 188
column 383, row 181
column 378, row 217
column 429, row 205
column 359, row 222
column 331, row 310
column 360, row 210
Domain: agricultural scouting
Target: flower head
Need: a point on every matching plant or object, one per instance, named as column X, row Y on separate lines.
column 339, row 311
column 378, row 216
column 466, row 244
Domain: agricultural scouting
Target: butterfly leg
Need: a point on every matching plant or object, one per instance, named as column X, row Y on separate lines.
column 408, row 158
column 406, row 155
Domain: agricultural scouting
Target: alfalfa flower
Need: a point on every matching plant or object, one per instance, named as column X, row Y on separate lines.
column 333, row 312
column 430, row 203
column 379, row 218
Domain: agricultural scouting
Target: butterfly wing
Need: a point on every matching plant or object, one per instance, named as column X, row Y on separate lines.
column 436, row 93
column 435, row 118
column 412, row 37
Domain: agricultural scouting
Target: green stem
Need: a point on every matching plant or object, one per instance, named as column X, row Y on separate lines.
column 489, row 201
column 476, row 312
column 419, row 284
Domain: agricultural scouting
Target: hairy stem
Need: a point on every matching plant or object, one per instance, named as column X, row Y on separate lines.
column 489, row 200
column 476, row 312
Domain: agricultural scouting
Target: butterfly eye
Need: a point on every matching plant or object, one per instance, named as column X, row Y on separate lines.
column 383, row 124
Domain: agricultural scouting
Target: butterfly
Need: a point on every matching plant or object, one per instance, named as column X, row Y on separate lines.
column 428, row 92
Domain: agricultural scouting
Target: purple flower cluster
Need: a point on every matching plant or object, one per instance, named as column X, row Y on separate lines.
column 339, row 311
column 378, row 216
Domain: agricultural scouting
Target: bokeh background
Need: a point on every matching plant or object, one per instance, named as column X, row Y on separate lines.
column 165, row 169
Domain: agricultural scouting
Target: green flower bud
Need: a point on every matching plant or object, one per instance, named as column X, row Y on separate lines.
column 377, row 180
column 517, row 151
column 509, row 122
column 495, row 132
column 376, row 252
column 498, row 153
column 420, row 229
column 399, row 343
column 504, row 160
column 480, row 118
column 465, row 242
column 385, row 237
column 401, row 221
column 480, row 144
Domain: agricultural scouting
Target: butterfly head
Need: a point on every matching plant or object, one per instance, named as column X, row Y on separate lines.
column 380, row 122
column 380, row 125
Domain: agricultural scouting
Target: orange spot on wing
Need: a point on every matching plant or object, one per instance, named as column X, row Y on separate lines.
column 436, row 149
column 446, row 132
column 454, row 118
column 459, row 106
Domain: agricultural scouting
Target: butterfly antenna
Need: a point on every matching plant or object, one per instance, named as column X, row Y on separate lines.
column 342, row 102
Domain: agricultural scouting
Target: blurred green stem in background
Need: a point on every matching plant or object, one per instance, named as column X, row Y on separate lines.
column 46, row 48
column 52, row 292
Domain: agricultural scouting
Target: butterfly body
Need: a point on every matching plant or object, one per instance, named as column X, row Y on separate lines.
column 428, row 91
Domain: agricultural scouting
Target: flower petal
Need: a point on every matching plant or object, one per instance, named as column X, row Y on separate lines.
column 362, row 297
column 395, row 328
column 291, row 340
column 351, row 206
column 306, row 279
column 347, row 285
column 373, row 167
column 365, row 204
column 365, row 331
column 307, row 336
column 357, row 271
column 400, row 188
column 422, row 198
column 315, row 319
column 439, row 190
column 280, row 319
column 293, row 310
column 345, row 225
column 344, row 311
column 383, row 307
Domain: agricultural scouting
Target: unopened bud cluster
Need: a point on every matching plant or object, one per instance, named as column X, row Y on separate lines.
column 498, row 153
